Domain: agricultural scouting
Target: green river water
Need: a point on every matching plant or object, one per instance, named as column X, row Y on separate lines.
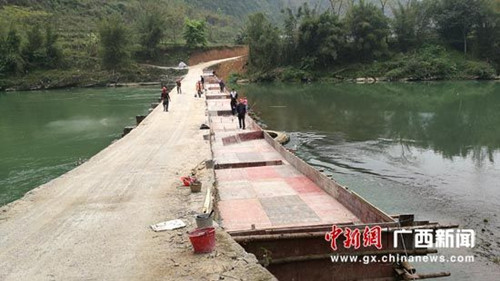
column 430, row 149
column 47, row 133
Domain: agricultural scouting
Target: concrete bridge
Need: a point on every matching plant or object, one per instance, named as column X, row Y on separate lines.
column 93, row 222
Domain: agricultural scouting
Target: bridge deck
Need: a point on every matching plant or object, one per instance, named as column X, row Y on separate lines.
column 268, row 192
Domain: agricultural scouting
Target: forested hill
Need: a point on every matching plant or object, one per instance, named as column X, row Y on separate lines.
column 74, row 21
column 272, row 8
column 239, row 9
column 224, row 17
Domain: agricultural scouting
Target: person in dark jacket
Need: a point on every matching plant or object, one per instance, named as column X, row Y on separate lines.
column 241, row 109
column 234, row 98
column 165, row 98
column 178, row 84
column 222, row 85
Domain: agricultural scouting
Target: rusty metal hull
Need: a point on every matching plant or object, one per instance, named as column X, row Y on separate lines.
column 325, row 270
column 304, row 254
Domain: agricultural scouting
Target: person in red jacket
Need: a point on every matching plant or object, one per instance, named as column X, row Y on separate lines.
column 199, row 88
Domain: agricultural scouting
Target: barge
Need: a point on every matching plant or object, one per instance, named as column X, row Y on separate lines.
column 298, row 222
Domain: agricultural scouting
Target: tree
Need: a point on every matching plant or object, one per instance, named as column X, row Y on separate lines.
column 175, row 19
column 263, row 41
column 383, row 3
column 114, row 42
column 194, row 33
column 320, row 39
column 11, row 61
column 456, row 19
column 52, row 51
column 486, row 43
column 368, row 30
column 151, row 25
column 337, row 6
column 290, row 37
column 33, row 51
column 412, row 24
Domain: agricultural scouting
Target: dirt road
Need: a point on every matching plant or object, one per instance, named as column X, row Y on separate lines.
column 93, row 222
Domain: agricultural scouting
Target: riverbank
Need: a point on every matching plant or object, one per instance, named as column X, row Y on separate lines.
column 426, row 64
column 93, row 222
column 87, row 78
column 88, row 74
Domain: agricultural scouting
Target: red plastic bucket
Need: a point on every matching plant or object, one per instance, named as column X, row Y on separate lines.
column 186, row 181
column 203, row 239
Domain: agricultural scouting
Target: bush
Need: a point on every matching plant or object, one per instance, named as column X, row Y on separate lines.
column 294, row 74
column 233, row 78
column 480, row 70
column 429, row 63
column 395, row 74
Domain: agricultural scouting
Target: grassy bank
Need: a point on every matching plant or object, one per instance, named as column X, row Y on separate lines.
column 431, row 63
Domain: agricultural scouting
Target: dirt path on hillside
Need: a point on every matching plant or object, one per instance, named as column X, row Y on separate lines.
column 93, row 222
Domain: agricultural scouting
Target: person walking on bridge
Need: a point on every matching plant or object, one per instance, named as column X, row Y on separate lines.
column 163, row 92
column 234, row 98
column 221, row 85
column 165, row 98
column 178, row 83
column 198, row 89
column 241, row 108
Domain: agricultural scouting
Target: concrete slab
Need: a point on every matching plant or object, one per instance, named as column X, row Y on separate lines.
column 231, row 175
column 249, row 156
column 285, row 210
column 327, row 208
column 274, row 188
column 258, row 173
column 288, row 172
column 303, row 185
column 233, row 190
column 242, row 214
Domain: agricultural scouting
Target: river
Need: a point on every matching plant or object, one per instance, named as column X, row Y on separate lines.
column 44, row 134
column 430, row 149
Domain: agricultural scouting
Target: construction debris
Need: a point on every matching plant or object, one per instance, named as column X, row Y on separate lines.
column 168, row 225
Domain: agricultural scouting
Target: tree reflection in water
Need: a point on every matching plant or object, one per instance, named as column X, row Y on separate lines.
column 451, row 118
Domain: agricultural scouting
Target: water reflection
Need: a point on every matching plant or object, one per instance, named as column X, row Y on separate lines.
column 453, row 119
